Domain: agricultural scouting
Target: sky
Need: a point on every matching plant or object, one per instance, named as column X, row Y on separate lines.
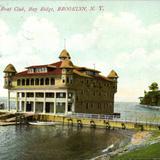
column 120, row 35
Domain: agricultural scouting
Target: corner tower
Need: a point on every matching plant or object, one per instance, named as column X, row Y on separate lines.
column 10, row 72
column 67, row 71
column 64, row 55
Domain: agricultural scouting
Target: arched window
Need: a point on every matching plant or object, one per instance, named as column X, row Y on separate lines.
column 47, row 81
column 52, row 81
column 27, row 82
column 42, row 81
column 23, row 82
column 18, row 82
column 67, row 79
column 32, row 81
column 37, row 81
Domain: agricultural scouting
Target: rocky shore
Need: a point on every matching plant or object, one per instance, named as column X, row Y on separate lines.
column 138, row 140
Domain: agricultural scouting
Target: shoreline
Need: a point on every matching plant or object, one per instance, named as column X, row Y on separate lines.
column 136, row 140
column 139, row 140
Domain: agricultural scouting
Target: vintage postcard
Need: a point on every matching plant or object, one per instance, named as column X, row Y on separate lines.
column 79, row 79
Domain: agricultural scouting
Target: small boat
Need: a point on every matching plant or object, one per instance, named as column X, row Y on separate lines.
column 42, row 123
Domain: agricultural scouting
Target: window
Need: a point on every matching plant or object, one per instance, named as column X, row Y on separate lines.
column 87, row 105
column 87, row 81
column 70, row 95
column 67, row 80
column 47, row 81
column 23, row 94
column 52, row 81
column 30, row 94
column 23, row 82
column 49, row 95
column 32, row 81
column 27, row 82
column 60, row 107
column 37, row 81
column 99, row 106
column 42, row 81
column 18, row 82
column 31, row 70
column 60, row 95
column 69, row 107
column 39, row 94
column 71, row 80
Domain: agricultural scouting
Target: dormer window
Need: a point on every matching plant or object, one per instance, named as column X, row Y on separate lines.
column 37, row 70
column 92, row 73
column 31, row 70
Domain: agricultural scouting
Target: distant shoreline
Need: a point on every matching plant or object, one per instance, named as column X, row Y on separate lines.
column 150, row 107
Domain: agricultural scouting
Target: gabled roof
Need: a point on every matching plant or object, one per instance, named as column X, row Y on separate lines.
column 10, row 68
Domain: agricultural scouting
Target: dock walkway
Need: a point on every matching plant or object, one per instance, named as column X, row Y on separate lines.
column 89, row 120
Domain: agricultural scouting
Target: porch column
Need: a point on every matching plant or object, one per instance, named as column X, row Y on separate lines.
column 17, row 101
column 66, row 104
column 25, row 101
column 44, row 102
column 34, row 102
column 54, row 102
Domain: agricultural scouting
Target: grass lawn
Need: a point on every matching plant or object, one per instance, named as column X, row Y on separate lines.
column 149, row 152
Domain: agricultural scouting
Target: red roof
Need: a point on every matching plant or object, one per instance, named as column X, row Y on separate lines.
column 57, row 64
column 54, row 71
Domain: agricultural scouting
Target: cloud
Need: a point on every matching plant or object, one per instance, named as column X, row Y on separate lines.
column 117, row 33
column 36, row 37
column 116, row 41
column 122, row 42
column 34, row 43
column 39, row 34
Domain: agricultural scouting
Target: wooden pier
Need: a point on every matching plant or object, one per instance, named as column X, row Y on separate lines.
column 82, row 120
column 98, row 122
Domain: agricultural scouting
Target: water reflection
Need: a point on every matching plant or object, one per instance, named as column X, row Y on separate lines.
column 56, row 142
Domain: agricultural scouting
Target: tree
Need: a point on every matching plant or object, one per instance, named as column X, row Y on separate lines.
column 154, row 86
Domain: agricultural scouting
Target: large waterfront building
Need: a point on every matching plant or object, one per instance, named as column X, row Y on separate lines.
column 61, row 88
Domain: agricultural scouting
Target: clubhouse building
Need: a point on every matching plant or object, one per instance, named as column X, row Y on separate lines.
column 61, row 88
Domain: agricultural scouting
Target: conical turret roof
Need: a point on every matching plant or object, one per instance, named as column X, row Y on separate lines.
column 64, row 54
column 10, row 68
column 67, row 64
column 112, row 74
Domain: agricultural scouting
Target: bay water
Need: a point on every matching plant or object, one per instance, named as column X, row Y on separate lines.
column 60, row 142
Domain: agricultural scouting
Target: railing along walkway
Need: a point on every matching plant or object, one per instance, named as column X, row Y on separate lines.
column 115, row 118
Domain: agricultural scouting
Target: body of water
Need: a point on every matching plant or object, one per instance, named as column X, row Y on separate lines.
column 62, row 143
column 135, row 112
column 56, row 142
